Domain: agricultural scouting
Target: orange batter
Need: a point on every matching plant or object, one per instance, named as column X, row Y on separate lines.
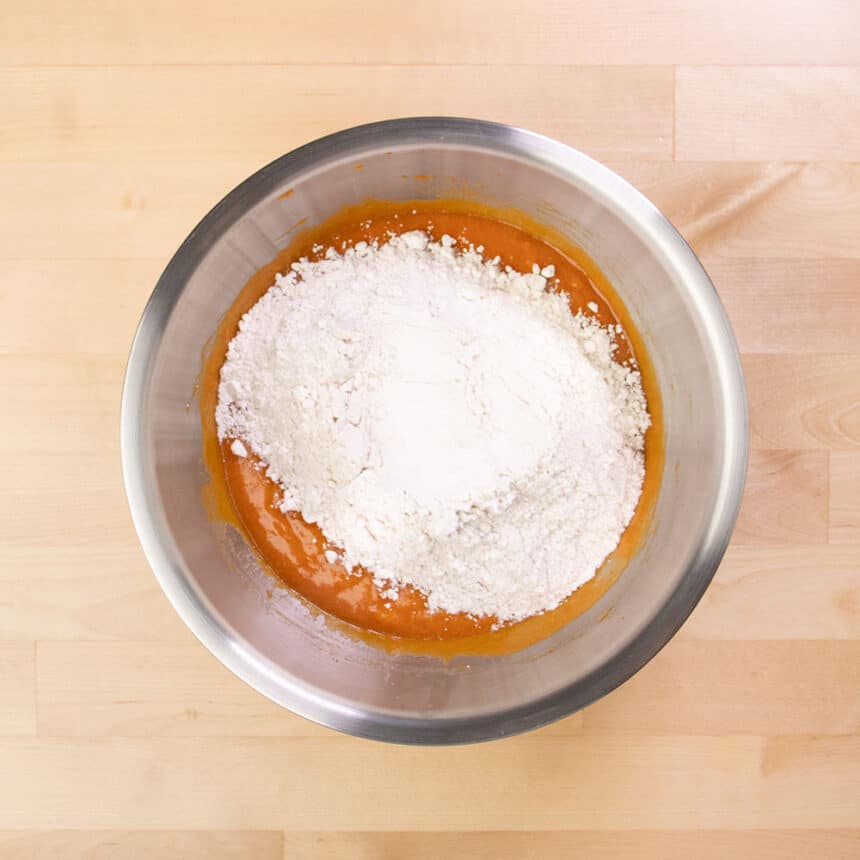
column 294, row 549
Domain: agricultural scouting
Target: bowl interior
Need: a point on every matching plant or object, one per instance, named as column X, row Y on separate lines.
column 274, row 642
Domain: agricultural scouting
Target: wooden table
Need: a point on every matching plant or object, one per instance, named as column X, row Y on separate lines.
column 122, row 123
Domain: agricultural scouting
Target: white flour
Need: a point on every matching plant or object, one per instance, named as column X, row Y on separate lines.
column 446, row 423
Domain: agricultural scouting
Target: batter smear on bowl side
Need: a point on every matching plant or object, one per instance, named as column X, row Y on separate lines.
column 452, row 441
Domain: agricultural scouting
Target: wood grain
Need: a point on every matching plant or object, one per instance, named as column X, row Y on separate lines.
column 51, row 386
column 147, row 689
column 690, row 782
column 478, row 32
column 54, row 302
column 122, row 124
column 823, row 410
column 60, row 114
column 70, row 565
column 781, row 592
column 745, row 688
column 160, row 689
column 845, row 497
column 770, row 211
column 465, row 845
column 576, row 845
column 18, row 688
column 785, row 500
column 86, row 593
column 135, row 844
column 736, row 113
column 799, row 307
column 113, row 210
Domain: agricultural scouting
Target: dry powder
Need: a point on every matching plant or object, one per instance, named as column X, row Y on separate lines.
column 447, row 422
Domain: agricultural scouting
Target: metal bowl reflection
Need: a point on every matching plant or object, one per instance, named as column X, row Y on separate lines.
column 279, row 647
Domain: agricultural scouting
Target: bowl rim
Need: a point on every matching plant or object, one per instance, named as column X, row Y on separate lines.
column 163, row 555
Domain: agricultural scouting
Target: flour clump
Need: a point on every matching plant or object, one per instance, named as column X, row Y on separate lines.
column 448, row 423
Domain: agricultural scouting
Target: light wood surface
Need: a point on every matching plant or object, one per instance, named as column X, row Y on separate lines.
column 121, row 124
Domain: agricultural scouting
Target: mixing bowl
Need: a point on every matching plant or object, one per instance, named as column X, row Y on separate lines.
column 272, row 640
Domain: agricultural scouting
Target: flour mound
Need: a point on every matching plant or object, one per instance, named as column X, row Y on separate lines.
column 446, row 422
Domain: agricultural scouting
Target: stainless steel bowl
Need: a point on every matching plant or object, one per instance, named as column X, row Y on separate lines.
column 275, row 643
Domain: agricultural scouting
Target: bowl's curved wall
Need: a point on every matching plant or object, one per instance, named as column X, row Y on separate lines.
column 282, row 650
